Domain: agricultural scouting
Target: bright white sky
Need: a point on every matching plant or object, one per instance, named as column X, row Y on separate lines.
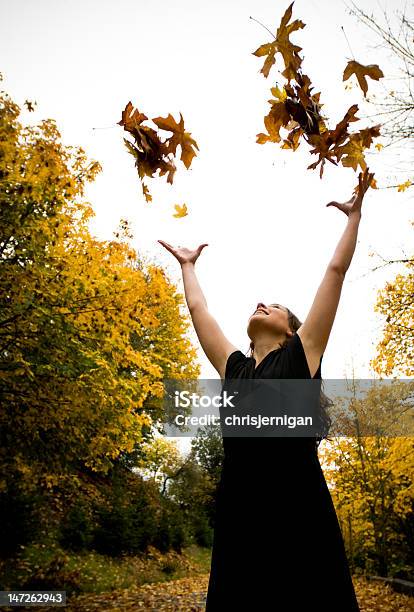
column 260, row 210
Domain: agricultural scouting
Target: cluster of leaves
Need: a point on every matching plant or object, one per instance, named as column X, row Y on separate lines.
column 153, row 154
column 294, row 108
column 298, row 110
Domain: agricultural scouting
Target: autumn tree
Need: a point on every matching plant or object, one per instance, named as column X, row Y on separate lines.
column 88, row 330
column 371, row 478
column 160, row 461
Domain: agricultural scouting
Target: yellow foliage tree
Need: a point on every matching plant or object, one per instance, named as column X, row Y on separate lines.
column 372, row 479
column 395, row 353
column 88, row 330
column 161, row 461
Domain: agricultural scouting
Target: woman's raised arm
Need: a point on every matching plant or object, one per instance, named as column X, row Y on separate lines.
column 213, row 342
column 315, row 330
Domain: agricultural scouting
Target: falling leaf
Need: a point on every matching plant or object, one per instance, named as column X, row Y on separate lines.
column 404, row 186
column 295, row 109
column 180, row 137
column 341, row 129
column 279, row 94
column 292, row 141
column 361, row 72
column 130, row 120
column 277, row 118
column 328, row 144
column 352, row 153
column 146, row 193
column 181, row 210
column 151, row 153
column 284, row 46
column 262, row 138
column 379, row 146
column 30, row 105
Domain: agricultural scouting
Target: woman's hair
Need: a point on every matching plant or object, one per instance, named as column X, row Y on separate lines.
column 324, row 418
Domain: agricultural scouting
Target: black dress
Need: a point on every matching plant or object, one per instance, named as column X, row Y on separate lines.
column 277, row 543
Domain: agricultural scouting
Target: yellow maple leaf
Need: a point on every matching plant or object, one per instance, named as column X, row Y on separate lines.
column 181, row 210
column 379, row 146
column 279, row 94
column 405, row 185
column 352, row 154
column 361, row 72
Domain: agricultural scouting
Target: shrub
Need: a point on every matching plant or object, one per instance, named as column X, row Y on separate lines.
column 76, row 530
column 203, row 533
column 171, row 532
column 19, row 520
column 129, row 525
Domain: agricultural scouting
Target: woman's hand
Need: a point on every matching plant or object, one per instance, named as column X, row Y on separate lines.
column 183, row 254
column 353, row 205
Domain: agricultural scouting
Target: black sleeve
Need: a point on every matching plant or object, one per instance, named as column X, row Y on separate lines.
column 298, row 364
column 234, row 365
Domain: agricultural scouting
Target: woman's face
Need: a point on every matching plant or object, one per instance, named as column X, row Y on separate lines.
column 269, row 317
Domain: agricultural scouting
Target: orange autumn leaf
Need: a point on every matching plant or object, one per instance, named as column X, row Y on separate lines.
column 131, row 120
column 180, row 137
column 146, row 193
column 361, row 72
column 296, row 109
column 282, row 45
column 278, row 117
column 292, row 141
column 151, row 153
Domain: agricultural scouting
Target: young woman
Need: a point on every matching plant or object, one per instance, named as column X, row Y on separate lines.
column 277, row 540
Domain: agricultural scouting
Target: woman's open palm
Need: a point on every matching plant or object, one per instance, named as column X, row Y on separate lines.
column 355, row 202
column 183, row 254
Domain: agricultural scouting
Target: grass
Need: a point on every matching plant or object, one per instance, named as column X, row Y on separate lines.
column 201, row 557
column 91, row 572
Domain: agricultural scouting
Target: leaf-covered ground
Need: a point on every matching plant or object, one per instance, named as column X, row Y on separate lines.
column 188, row 594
